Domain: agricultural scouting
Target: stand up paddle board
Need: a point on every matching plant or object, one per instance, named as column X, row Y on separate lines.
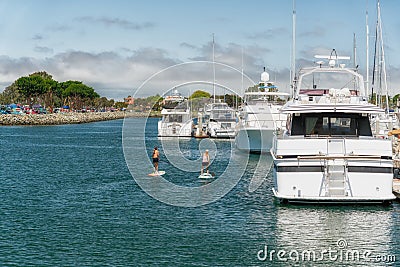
column 206, row 176
column 159, row 173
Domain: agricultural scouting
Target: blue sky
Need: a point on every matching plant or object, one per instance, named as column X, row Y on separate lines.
column 117, row 45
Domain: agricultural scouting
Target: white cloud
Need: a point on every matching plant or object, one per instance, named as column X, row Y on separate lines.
column 116, row 75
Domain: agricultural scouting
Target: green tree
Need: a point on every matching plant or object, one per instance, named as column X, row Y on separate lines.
column 120, row 105
column 232, row 100
column 79, row 95
column 10, row 95
column 200, row 94
column 395, row 99
column 37, row 88
column 101, row 103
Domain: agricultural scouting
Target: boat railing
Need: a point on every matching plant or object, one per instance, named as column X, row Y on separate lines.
column 333, row 157
column 260, row 124
column 173, row 130
column 271, row 123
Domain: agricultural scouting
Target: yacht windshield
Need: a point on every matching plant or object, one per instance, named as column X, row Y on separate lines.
column 173, row 118
column 331, row 124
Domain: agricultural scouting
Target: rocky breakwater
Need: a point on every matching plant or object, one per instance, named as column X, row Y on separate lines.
column 60, row 118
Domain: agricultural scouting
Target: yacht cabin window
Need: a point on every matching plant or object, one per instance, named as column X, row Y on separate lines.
column 173, row 118
column 221, row 115
column 330, row 124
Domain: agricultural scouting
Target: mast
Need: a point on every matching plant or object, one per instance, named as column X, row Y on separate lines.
column 354, row 51
column 379, row 63
column 367, row 50
column 374, row 69
column 293, row 59
column 383, row 59
column 213, row 59
column 355, row 59
column 242, row 91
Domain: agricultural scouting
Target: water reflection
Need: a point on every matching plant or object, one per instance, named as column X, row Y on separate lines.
column 356, row 229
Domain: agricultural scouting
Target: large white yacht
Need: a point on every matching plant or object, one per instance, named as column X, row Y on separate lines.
column 259, row 117
column 329, row 153
column 221, row 120
column 176, row 117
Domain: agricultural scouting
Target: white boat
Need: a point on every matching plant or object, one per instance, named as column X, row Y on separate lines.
column 259, row 118
column 221, row 120
column 329, row 153
column 176, row 117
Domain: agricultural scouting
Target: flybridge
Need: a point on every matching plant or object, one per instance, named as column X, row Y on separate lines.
column 330, row 73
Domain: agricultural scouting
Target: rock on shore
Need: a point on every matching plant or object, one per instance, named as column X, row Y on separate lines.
column 64, row 118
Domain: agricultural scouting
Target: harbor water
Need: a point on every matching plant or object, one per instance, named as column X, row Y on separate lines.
column 69, row 198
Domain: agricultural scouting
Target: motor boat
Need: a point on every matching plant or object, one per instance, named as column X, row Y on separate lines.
column 328, row 153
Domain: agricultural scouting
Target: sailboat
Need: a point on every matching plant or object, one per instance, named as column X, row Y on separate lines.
column 384, row 123
column 221, row 119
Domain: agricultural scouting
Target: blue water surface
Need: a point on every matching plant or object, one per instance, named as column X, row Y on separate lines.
column 68, row 199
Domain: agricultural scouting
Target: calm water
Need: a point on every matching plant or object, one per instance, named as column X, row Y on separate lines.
column 68, row 199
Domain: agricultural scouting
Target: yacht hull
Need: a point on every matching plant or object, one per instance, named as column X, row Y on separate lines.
column 330, row 200
column 335, row 177
column 217, row 130
column 306, row 187
column 254, row 140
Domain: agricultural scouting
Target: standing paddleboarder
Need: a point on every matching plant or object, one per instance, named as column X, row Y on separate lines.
column 156, row 157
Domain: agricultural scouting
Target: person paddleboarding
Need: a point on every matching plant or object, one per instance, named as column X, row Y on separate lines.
column 156, row 158
column 205, row 162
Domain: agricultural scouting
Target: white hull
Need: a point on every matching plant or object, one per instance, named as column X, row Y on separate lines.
column 254, row 140
column 335, row 176
column 331, row 200
column 257, row 128
column 217, row 130
column 309, row 187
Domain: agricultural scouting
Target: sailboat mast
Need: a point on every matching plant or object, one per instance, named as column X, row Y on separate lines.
column 382, row 50
column 367, row 49
column 355, row 59
column 213, row 59
column 374, row 69
column 293, row 59
column 354, row 51
column 242, row 91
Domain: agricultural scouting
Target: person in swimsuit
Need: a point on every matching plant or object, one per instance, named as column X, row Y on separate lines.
column 205, row 162
column 156, row 157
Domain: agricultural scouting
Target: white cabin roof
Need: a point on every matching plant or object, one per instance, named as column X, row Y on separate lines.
column 166, row 111
column 331, row 107
column 267, row 93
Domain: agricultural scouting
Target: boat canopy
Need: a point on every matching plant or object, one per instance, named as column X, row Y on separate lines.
column 267, row 93
column 332, row 107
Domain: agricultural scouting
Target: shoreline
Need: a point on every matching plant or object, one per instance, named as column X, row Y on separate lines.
column 67, row 118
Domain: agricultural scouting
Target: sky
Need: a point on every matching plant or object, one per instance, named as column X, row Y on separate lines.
column 148, row 47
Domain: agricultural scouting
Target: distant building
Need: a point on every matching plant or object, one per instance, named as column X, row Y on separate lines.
column 129, row 100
